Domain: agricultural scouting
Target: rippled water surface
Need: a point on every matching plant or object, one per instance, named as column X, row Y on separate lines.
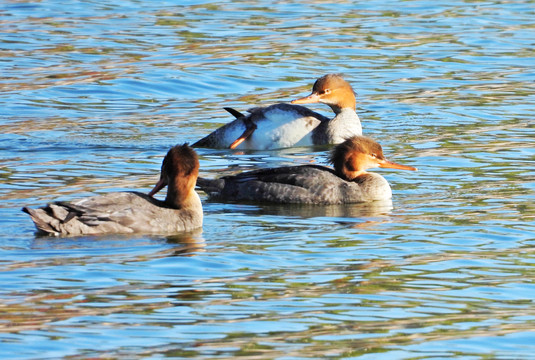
column 94, row 93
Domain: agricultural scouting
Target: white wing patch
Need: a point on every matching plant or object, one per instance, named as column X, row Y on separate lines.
column 281, row 128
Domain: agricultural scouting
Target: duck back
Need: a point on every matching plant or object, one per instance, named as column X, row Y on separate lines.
column 116, row 212
column 308, row 184
column 277, row 126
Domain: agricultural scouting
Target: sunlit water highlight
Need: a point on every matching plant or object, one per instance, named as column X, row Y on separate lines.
column 94, row 94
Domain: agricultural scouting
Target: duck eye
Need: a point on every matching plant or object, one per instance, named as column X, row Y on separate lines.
column 374, row 156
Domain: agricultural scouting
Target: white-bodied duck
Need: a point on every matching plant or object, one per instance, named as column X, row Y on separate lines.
column 349, row 182
column 129, row 212
column 285, row 125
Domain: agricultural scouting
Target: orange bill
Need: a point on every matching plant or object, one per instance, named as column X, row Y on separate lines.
column 392, row 165
column 310, row 99
column 248, row 132
column 159, row 186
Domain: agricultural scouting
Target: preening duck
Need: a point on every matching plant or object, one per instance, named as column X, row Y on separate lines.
column 129, row 212
column 285, row 125
column 348, row 182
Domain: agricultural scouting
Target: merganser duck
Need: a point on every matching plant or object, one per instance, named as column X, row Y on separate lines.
column 285, row 125
column 313, row 184
column 129, row 212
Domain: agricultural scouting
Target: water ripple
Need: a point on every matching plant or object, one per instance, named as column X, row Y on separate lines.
column 94, row 94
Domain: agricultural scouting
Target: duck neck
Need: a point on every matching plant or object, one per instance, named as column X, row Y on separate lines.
column 182, row 195
column 338, row 108
column 347, row 114
column 354, row 175
column 344, row 102
column 345, row 124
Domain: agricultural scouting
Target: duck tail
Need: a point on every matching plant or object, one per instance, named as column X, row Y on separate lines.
column 211, row 186
column 42, row 220
column 234, row 112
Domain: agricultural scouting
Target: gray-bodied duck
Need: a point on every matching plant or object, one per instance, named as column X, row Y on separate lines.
column 132, row 212
column 348, row 182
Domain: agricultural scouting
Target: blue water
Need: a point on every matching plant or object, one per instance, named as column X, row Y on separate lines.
column 93, row 95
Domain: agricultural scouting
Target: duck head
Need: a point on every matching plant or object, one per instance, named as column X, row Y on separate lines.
column 331, row 90
column 355, row 155
column 180, row 169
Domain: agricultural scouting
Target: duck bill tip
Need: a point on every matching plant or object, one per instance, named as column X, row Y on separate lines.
column 159, row 186
column 310, row 99
column 392, row 165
